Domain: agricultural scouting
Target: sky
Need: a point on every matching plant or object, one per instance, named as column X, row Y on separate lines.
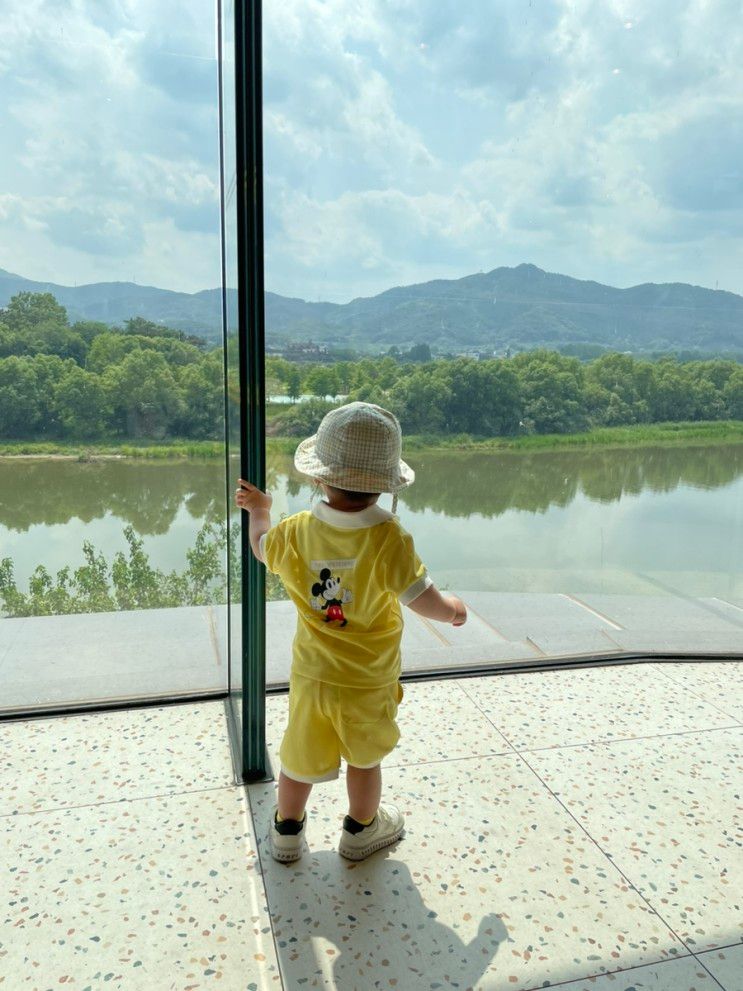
column 405, row 140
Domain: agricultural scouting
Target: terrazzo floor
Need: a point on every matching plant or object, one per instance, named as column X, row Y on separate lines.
column 574, row 828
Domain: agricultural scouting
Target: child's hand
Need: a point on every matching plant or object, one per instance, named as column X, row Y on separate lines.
column 248, row 497
column 460, row 617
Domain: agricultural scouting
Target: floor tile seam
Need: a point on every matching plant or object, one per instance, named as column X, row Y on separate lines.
column 115, row 801
column 696, row 602
column 262, row 871
column 489, row 720
column 611, row 861
column 620, row 970
column 686, row 954
column 717, row 981
column 596, row 612
column 486, row 622
column 593, row 840
column 450, row 760
column 651, row 736
column 627, row 739
column 715, row 949
column 692, row 692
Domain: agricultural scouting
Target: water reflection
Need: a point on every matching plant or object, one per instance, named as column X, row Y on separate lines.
column 458, row 484
column 465, row 483
column 149, row 496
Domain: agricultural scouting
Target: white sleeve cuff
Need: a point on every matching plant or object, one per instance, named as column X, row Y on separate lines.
column 262, row 546
column 418, row 587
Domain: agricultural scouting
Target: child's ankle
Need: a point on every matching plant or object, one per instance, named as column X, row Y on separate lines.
column 362, row 822
column 280, row 818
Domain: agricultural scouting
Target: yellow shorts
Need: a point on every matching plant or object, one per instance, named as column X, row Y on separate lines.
column 327, row 722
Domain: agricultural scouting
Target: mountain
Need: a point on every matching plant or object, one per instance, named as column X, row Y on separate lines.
column 521, row 307
column 526, row 307
column 114, row 302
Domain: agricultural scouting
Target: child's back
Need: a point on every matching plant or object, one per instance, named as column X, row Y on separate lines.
column 347, row 565
column 346, row 572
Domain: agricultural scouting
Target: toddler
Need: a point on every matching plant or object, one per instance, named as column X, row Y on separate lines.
column 346, row 564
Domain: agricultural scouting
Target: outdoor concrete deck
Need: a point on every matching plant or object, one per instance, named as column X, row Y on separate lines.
column 575, row 827
column 62, row 659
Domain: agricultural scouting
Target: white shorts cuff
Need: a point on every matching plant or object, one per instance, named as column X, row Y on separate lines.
column 307, row 779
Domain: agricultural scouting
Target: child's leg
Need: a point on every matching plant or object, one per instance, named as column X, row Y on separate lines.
column 376, row 826
column 293, row 797
column 364, row 791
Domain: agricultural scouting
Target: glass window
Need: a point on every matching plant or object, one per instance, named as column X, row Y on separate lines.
column 113, row 515
column 516, row 226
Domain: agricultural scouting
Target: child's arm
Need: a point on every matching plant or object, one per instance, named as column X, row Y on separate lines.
column 258, row 504
column 445, row 608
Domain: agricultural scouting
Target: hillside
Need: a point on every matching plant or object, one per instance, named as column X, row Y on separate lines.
column 521, row 307
column 114, row 302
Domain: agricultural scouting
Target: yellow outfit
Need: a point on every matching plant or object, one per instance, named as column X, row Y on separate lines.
column 346, row 573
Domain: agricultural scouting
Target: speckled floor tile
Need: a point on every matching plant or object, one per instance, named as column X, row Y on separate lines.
column 726, row 965
column 161, row 893
column 718, row 682
column 671, row 975
column 494, row 886
column 667, row 810
column 581, row 705
column 102, row 757
column 461, row 730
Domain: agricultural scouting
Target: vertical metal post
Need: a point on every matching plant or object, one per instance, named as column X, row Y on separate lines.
column 249, row 152
column 228, row 480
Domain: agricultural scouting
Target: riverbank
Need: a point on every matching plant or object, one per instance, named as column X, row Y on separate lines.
column 638, row 435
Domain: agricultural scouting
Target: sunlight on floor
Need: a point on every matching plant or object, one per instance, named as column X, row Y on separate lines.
column 566, row 827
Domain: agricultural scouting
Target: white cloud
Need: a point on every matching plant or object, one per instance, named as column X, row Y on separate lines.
column 110, row 126
column 404, row 140
column 525, row 126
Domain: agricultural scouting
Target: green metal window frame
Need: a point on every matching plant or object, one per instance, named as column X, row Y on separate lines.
column 251, row 339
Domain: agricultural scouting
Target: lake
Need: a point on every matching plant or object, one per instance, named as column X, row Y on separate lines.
column 611, row 520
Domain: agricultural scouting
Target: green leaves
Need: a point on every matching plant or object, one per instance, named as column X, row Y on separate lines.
column 147, row 382
column 93, row 381
column 131, row 582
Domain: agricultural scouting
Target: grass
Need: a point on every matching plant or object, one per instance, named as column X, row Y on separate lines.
column 638, row 435
column 83, row 451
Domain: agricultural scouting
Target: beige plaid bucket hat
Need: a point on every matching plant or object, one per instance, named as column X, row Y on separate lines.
column 356, row 447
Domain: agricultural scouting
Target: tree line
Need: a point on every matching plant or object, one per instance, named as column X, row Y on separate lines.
column 89, row 381
column 534, row 392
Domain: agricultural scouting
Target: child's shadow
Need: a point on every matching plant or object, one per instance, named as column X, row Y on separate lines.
column 358, row 926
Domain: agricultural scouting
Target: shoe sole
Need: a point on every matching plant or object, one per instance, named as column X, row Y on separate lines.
column 350, row 853
column 285, row 856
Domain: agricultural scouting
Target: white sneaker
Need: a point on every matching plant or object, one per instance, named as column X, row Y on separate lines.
column 286, row 838
column 386, row 827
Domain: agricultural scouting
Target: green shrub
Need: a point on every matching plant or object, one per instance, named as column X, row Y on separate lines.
column 131, row 582
column 302, row 419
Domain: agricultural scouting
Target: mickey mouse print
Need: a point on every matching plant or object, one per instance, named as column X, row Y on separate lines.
column 329, row 593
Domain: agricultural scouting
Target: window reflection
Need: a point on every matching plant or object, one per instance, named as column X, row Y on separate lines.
column 112, row 460
column 474, row 219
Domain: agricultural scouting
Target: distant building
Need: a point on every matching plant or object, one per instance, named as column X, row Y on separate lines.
column 305, row 351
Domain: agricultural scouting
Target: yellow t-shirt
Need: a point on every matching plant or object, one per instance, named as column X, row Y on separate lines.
column 346, row 573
